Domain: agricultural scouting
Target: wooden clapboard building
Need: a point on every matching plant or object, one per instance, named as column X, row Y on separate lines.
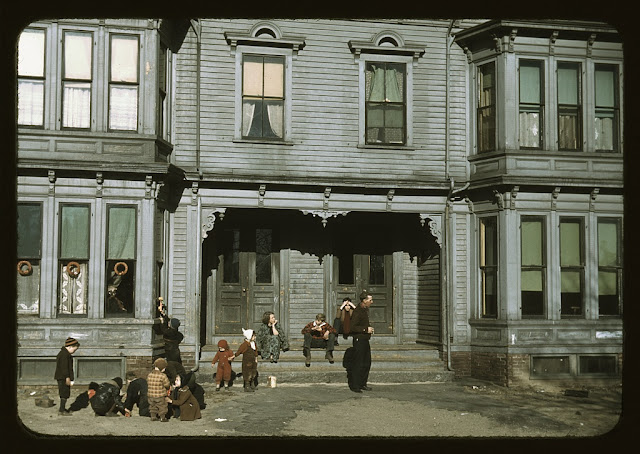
column 466, row 173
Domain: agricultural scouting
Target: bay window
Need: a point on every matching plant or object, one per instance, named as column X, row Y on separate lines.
column 31, row 77
column 77, row 79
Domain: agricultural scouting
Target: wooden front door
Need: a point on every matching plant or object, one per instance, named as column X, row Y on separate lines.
column 354, row 273
column 247, row 279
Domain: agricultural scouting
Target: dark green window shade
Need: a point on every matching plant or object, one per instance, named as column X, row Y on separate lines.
column 74, row 232
column 530, row 83
column 568, row 77
column 122, row 233
column 29, row 230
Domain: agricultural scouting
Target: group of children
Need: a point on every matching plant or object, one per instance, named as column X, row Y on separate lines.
column 224, row 356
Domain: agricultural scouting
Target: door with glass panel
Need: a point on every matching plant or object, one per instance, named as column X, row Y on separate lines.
column 355, row 273
column 247, row 279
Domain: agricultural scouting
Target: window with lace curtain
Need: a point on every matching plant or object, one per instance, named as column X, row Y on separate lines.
column 29, row 249
column 123, row 82
column 77, row 79
column 385, row 113
column 73, row 258
column 263, row 97
column 569, row 106
column 31, row 77
column 531, row 103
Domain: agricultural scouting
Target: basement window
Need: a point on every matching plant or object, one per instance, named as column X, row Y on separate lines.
column 598, row 365
column 550, row 366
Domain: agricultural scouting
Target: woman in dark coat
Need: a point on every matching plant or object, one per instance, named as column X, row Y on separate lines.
column 189, row 407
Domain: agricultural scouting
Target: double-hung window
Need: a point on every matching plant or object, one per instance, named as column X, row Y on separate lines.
column 385, row 103
column 609, row 266
column 606, row 107
column 77, row 79
column 29, row 256
column 31, row 77
column 120, row 260
column 486, row 110
column 73, row 258
column 531, row 110
column 123, row 82
column 488, row 267
column 533, row 266
column 569, row 106
column 571, row 267
column 263, row 96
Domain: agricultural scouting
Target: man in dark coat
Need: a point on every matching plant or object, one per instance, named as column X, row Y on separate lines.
column 361, row 332
column 64, row 373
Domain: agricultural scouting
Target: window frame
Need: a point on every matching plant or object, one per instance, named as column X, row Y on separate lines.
column 386, row 104
column 579, row 107
column 59, row 258
column 408, row 61
column 581, row 268
column 494, row 104
column 91, row 81
column 32, row 259
column 541, row 106
column 618, row 268
column 107, row 259
column 543, row 268
column 42, row 79
column 615, row 110
column 109, row 83
column 483, row 267
column 264, row 50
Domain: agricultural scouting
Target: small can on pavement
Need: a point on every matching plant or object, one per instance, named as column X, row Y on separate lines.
column 271, row 381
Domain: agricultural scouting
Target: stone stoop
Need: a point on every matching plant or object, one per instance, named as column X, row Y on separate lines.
column 389, row 363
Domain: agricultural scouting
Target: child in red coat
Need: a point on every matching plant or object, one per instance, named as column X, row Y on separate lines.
column 223, row 358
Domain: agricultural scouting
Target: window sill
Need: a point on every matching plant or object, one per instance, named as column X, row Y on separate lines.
column 386, row 147
column 542, row 152
column 264, row 142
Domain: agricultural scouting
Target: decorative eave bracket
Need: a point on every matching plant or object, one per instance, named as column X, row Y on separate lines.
column 211, row 219
column 435, row 223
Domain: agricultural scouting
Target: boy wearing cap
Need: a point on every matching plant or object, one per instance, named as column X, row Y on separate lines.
column 64, row 373
column 157, row 386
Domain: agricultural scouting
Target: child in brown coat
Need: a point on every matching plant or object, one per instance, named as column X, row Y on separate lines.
column 249, row 353
column 223, row 357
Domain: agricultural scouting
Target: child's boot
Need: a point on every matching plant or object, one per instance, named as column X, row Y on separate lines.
column 154, row 416
column 62, row 411
column 247, row 387
column 218, row 387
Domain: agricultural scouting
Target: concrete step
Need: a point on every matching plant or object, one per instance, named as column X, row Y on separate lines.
column 390, row 363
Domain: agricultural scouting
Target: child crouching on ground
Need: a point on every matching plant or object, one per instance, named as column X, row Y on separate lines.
column 223, row 358
column 157, row 386
column 189, row 407
column 249, row 354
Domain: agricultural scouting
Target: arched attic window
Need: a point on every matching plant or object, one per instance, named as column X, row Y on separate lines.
column 387, row 41
column 265, row 33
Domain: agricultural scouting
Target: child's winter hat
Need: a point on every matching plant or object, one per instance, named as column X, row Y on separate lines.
column 248, row 333
column 223, row 344
column 160, row 363
column 71, row 342
column 175, row 323
column 118, row 381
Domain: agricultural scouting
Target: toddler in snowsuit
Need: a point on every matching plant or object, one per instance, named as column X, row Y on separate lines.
column 249, row 354
column 223, row 357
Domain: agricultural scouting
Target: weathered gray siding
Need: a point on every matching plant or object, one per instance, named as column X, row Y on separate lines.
column 178, row 263
column 306, row 292
column 461, row 277
column 325, row 115
column 429, row 301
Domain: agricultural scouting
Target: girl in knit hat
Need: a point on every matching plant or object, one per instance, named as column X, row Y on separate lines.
column 249, row 354
column 223, row 357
